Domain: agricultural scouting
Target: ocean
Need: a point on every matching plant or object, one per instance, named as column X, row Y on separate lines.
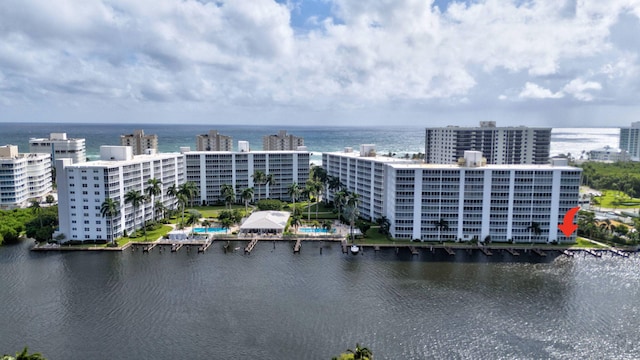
column 318, row 139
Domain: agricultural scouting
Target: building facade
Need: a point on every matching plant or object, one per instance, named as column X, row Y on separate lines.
column 140, row 142
column 23, row 177
column 630, row 140
column 462, row 202
column 213, row 141
column 499, row 145
column 281, row 141
column 211, row 169
column 609, row 154
column 60, row 147
column 83, row 187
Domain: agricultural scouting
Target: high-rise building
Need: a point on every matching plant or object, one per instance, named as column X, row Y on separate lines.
column 281, row 141
column 211, row 169
column 499, row 145
column 140, row 142
column 609, row 154
column 83, row 187
column 463, row 201
column 60, row 147
column 213, row 141
column 630, row 140
column 23, row 177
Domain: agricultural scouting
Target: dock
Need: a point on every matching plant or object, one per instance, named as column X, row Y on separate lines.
column 175, row 247
column 205, row 246
column 539, row 252
column 448, row 250
column 512, row 252
column 485, row 250
column 297, row 246
column 251, row 245
column 148, row 248
column 567, row 253
column 344, row 247
column 618, row 252
column 376, row 248
column 592, row 252
column 413, row 250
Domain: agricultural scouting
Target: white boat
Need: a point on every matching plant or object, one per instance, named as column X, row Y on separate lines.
column 354, row 249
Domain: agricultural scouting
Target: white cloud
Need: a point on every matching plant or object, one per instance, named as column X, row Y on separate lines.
column 373, row 54
column 534, row 91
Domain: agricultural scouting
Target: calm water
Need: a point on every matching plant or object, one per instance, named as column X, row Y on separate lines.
column 276, row 305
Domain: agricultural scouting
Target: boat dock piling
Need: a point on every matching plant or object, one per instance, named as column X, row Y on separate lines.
column 539, row 252
column 512, row 252
column 485, row 250
column 146, row 249
column 447, row 249
column 175, row 247
column 413, row 250
column 618, row 252
column 298, row 245
column 592, row 252
column 567, row 253
column 205, row 246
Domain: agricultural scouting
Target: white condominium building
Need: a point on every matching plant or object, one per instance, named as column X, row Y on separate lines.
column 432, row 202
column 140, row 142
column 281, row 141
column 83, row 187
column 211, row 169
column 630, row 140
column 609, row 154
column 213, row 141
column 499, row 145
column 23, row 177
column 60, row 147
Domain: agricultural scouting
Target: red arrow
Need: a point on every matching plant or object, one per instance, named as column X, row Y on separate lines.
column 568, row 227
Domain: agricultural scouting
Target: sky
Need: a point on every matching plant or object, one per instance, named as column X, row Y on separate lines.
column 561, row 63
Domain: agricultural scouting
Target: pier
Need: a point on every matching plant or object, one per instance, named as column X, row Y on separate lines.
column 205, row 246
column 567, row 253
column 447, row 249
column 512, row 252
column 414, row 251
column 251, row 245
column 485, row 250
column 592, row 252
column 344, row 247
column 618, row 252
column 539, row 252
column 298, row 245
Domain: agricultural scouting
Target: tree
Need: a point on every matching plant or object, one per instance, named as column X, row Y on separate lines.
column 295, row 221
column 385, row 225
column 228, row 194
column 159, row 208
column 334, row 183
column 153, row 189
column 360, row 353
column 49, row 199
column 190, row 190
column 363, row 226
column 339, row 201
column 173, row 192
column 36, row 209
column 247, row 195
column 109, row 209
column 23, row 355
column 193, row 218
column 206, row 224
column 327, row 225
column 351, row 210
column 182, row 201
column 136, row 199
column 441, row 225
column 294, row 191
column 535, row 228
column 259, row 178
column 270, row 180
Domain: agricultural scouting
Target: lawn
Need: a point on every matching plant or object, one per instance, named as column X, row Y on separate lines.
column 615, row 199
column 152, row 235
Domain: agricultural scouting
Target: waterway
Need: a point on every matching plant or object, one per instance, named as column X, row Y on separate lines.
column 276, row 305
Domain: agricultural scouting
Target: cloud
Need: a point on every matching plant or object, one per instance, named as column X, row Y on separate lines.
column 379, row 54
column 533, row 91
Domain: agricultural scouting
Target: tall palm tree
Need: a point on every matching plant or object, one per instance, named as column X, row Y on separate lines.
column 535, row 228
column 295, row 221
column 247, row 195
column 206, row 224
column 361, row 353
column 159, row 208
column 351, row 208
column 109, row 209
column 190, row 190
column 384, row 224
column 182, row 201
column 228, row 194
column 269, row 181
column 294, row 191
column 339, row 199
column 259, row 178
column 172, row 191
column 136, row 199
column 36, row 209
column 441, row 225
column 153, row 189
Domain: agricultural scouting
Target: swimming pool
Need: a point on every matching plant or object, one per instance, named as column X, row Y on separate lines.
column 309, row 230
column 200, row 230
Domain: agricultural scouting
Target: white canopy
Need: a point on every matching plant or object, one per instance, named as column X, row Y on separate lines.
column 266, row 221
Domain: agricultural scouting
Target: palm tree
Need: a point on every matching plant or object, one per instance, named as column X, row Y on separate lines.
column 159, row 208
column 190, row 190
column 182, row 200
column 109, row 209
column 173, row 191
column 361, row 353
column 326, row 225
column 206, row 224
column 441, row 225
column 247, row 195
column 294, row 191
column 193, row 218
column 351, row 208
column 136, row 199
column 384, row 224
column 227, row 192
column 259, row 178
column 270, row 180
column 295, row 221
column 24, row 355
column 535, row 228
column 36, row 209
column 152, row 190
column 339, row 199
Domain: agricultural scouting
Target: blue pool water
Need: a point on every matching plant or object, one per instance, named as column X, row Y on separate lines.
column 312, row 230
column 209, row 230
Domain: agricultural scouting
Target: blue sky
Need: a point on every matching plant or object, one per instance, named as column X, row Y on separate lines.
column 341, row 62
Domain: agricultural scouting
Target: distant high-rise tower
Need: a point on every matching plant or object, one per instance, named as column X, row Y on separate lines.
column 630, row 140
column 213, row 141
column 499, row 145
column 281, row 141
column 59, row 147
column 140, row 142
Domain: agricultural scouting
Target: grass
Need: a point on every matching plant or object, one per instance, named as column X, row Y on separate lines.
column 152, row 235
column 584, row 243
column 614, row 199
